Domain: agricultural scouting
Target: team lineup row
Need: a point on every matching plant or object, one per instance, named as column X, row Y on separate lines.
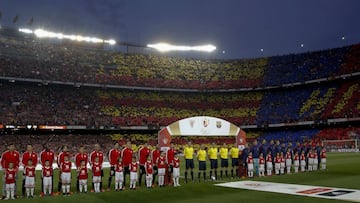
column 146, row 162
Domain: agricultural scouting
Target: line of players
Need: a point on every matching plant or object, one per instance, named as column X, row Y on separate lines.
column 152, row 163
column 148, row 163
column 212, row 154
column 280, row 159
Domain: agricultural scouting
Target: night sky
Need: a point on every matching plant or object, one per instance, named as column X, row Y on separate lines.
column 239, row 27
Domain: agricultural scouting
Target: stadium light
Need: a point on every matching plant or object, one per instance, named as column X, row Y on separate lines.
column 47, row 34
column 165, row 47
column 24, row 30
column 111, row 41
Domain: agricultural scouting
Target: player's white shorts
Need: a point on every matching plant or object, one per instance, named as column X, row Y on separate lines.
column 176, row 172
column 29, row 181
column 119, row 177
column 310, row 161
column 269, row 165
column 316, row 161
column 288, row 162
column 323, row 160
column 10, row 186
column 149, row 177
column 161, row 171
column 96, row 179
column 282, row 165
column 83, row 182
column 262, row 167
column 47, row 181
column 277, row 166
column 133, row 176
column 66, row 178
column 296, row 163
column 250, row 167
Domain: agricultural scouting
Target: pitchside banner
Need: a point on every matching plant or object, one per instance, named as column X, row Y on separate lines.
column 294, row 189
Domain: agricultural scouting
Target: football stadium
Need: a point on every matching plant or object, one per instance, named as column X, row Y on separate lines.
column 91, row 118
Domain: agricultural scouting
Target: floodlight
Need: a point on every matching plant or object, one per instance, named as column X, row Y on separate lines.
column 164, row 47
column 25, row 30
column 46, row 34
column 110, row 41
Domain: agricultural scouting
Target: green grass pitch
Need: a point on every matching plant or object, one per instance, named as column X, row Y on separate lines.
column 343, row 171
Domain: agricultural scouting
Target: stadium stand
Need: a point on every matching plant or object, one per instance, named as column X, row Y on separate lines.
column 47, row 60
column 49, row 104
column 277, row 88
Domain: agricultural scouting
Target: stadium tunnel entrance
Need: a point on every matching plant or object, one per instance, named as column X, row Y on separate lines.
column 201, row 126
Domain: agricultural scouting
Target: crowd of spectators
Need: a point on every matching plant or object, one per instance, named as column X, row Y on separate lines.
column 311, row 103
column 49, row 60
column 56, row 141
column 163, row 108
column 30, row 103
column 23, row 104
column 304, row 67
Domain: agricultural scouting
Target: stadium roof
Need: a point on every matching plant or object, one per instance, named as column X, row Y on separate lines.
column 239, row 29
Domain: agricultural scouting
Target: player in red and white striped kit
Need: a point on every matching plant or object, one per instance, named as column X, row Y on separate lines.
column 47, row 178
column 176, row 170
column 250, row 165
column 282, row 163
column 170, row 155
column 302, row 161
column 288, row 161
column 134, row 167
column 143, row 153
column 277, row 164
column 161, row 164
column 119, row 175
column 29, row 171
column 29, row 154
column 83, row 176
column 114, row 155
column 310, row 157
column 296, row 162
column 97, row 153
column 316, row 161
column 261, row 165
column 60, row 160
column 79, row 157
column 10, row 174
column 269, row 164
column 65, row 168
column 149, row 170
column 47, row 155
column 323, row 158
column 11, row 155
column 96, row 171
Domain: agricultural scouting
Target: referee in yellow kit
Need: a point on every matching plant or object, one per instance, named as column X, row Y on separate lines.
column 201, row 155
column 189, row 160
column 224, row 156
column 234, row 153
column 213, row 156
